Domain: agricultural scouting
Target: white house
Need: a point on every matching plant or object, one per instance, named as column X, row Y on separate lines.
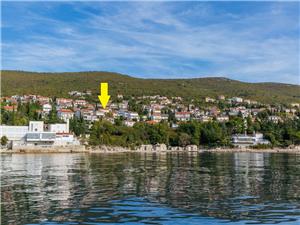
column 47, row 108
column 129, row 123
column 237, row 99
column 65, row 114
column 133, row 116
column 222, row 118
column 208, row 99
column 182, row 116
column 274, row 119
column 156, row 117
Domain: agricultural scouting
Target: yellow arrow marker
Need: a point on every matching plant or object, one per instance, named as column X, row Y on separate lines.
column 104, row 97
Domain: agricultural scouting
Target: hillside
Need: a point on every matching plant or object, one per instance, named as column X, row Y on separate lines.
column 59, row 84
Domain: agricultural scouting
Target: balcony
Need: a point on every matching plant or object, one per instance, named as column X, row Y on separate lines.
column 40, row 136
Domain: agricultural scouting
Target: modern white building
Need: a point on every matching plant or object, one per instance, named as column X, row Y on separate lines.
column 36, row 135
column 15, row 134
column 36, row 126
column 244, row 140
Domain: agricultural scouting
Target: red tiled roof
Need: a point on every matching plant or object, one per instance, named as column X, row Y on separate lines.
column 151, row 122
column 182, row 113
column 66, row 111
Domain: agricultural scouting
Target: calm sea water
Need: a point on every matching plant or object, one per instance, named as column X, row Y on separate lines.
column 140, row 188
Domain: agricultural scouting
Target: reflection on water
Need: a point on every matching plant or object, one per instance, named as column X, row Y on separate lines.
column 146, row 188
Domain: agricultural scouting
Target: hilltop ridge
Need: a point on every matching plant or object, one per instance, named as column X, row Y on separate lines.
column 59, row 84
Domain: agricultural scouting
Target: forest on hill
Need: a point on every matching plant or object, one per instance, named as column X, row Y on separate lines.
column 59, row 84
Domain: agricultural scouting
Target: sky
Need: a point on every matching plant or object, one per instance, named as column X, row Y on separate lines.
column 247, row 41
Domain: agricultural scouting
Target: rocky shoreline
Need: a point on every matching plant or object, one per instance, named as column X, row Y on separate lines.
column 159, row 148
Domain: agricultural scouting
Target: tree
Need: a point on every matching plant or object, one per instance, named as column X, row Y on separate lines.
column 4, row 140
column 184, row 139
column 78, row 126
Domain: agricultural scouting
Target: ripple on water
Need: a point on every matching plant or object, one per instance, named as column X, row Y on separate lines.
column 140, row 188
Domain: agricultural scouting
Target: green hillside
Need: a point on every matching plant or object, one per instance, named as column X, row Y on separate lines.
column 59, row 84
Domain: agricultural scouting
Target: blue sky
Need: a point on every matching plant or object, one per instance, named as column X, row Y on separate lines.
column 248, row 41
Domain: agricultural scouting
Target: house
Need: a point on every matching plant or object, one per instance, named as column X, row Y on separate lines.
column 164, row 117
column 247, row 101
column 129, row 123
column 122, row 113
column 295, row 105
column 88, row 92
column 133, row 116
column 80, row 102
column 255, row 111
column 205, row 118
column 113, row 106
column 208, row 99
column 151, row 122
column 88, row 115
column 65, row 102
column 233, row 112
column 46, row 108
column 244, row 140
column 237, row 100
column 65, row 114
column 275, row 119
column 156, row 117
column 214, row 111
column 43, row 100
column 182, row 116
column 100, row 113
column 221, row 97
column 222, row 118
column 123, row 105
column 10, row 108
column 75, row 93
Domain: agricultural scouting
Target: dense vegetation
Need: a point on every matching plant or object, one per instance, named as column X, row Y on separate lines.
column 59, row 84
column 211, row 134
column 25, row 113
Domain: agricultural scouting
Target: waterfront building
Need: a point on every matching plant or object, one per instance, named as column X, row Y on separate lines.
column 244, row 140
column 36, row 135
column 15, row 134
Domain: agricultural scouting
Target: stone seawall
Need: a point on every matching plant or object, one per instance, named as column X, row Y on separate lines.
column 143, row 148
column 50, row 149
